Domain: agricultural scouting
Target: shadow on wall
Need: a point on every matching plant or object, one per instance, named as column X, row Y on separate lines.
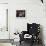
column 41, row 34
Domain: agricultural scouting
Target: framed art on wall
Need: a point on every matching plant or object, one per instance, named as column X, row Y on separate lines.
column 20, row 13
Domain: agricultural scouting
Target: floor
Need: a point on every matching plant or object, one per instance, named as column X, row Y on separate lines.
column 26, row 44
column 5, row 44
column 23, row 44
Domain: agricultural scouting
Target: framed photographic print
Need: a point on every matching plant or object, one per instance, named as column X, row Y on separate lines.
column 20, row 13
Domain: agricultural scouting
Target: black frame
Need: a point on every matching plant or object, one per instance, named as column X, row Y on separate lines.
column 20, row 13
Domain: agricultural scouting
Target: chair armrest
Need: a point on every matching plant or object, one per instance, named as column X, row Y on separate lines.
column 24, row 32
column 22, row 35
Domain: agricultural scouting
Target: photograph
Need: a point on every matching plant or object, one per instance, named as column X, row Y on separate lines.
column 20, row 13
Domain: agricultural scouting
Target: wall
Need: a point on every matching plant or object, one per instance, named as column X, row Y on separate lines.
column 3, row 1
column 35, row 12
column 3, row 34
column 3, row 21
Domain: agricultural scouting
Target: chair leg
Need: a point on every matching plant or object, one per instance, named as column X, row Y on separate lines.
column 32, row 42
column 20, row 42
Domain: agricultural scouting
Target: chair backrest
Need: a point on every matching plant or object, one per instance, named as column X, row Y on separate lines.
column 33, row 28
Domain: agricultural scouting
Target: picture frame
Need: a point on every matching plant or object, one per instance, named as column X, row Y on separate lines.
column 20, row 13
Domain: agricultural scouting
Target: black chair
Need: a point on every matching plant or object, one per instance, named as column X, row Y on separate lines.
column 32, row 29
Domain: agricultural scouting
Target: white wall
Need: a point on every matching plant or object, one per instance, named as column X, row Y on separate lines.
column 3, row 21
column 3, row 1
column 35, row 12
column 3, row 34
